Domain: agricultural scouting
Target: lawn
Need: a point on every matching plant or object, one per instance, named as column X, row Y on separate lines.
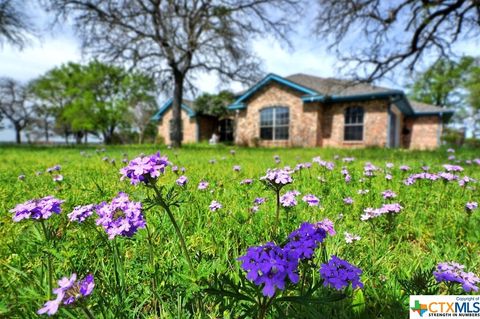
column 148, row 274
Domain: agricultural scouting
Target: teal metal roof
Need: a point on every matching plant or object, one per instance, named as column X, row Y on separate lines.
column 158, row 116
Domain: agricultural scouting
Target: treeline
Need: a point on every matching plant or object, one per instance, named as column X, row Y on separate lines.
column 74, row 101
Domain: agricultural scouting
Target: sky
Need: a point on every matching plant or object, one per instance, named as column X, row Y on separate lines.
column 60, row 45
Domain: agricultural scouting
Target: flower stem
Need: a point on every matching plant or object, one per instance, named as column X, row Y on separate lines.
column 87, row 312
column 277, row 212
column 49, row 260
column 175, row 226
column 152, row 264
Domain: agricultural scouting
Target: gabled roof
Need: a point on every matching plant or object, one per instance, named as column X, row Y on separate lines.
column 240, row 101
column 187, row 106
column 318, row 89
column 421, row 108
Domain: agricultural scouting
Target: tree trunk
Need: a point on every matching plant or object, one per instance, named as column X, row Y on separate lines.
column 78, row 137
column 18, row 135
column 176, row 124
column 45, row 123
column 140, row 137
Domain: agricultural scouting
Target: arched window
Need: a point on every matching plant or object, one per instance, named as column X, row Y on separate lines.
column 353, row 124
column 274, row 123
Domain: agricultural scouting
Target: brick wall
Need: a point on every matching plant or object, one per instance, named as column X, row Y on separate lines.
column 303, row 119
column 421, row 132
column 374, row 129
column 189, row 127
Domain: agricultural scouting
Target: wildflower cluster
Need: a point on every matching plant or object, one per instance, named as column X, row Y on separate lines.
column 120, row 217
column 81, row 213
column 454, row 272
column 338, row 273
column 370, row 213
column 289, row 199
column 277, row 178
column 270, row 265
column 144, row 169
column 37, row 209
column 69, row 291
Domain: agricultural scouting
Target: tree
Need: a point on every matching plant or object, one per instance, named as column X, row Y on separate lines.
column 14, row 24
column 384, row 35
column 93, row 98
column 174, row 40
column 214, row 104
column 442, row 83
column 14, row 105
column 56, row 91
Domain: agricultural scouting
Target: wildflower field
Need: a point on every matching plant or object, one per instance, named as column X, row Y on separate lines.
column 220, row 232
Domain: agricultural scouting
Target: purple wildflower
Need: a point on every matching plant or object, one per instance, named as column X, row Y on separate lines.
column 270, row 265
column 277, row 178
column 454, row 272
column 37, row 209
column 182, row 180
column 246, row 181
column 145, row 169
column 350, row 238
column 389, row 165
column 453, row 168
column 348, row 201
column 232, row 152
column 202, row 185
column 328, row 226
column 388, row 194
column 388, row 177
column 338, row 273
column 450, row 150
column 81, row 213
column 288, row 199
column 69, row 291
column 465, row 181
column 404, row 168
column 214, row 206
column 259, row 200
column 237, row 168
column 311, row 200
column 21, row 177
column 363, row 191
column 348, row 159
column 471, row 206
column 57, row 178
column 304, row 240
column 448, row 177
column 120, row 217
column 277, row 159
column 175, row 169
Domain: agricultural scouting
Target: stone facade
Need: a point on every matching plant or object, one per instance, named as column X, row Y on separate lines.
column 422, row 132
column 322, row 124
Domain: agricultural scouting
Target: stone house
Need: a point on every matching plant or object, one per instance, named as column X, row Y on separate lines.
column 309, row 111
column 195, row 127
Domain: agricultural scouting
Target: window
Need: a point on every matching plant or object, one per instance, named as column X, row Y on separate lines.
column 353, row 124
column 274, row 123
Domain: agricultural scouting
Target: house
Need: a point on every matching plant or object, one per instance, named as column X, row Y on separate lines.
column 195, row 127
column 310, row 111
column 305, row 110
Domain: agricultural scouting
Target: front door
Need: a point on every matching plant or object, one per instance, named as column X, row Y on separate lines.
column 226, row 130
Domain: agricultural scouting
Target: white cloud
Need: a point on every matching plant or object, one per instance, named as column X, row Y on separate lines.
column 38, row 58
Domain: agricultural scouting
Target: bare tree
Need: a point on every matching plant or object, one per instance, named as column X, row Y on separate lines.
column 14, row 105
column 176, row 40
column 382, row 35
column 14, row 23
column 141, row 118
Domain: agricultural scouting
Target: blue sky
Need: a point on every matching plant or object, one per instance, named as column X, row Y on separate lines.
column 60, row 45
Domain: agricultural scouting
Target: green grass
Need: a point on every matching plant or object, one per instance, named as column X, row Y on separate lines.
column 433, row 227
